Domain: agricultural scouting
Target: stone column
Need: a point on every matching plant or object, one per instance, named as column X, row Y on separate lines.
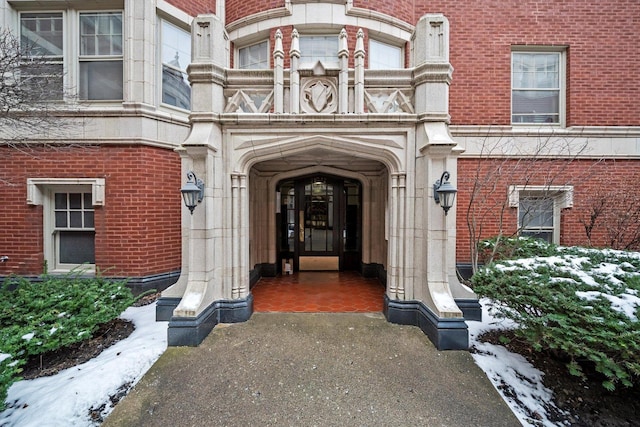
column 140, row 21
column 431, row 304
column 294, row 75
column 343, row 78
column 211, row 287
column 359, row 73
column 278, row 74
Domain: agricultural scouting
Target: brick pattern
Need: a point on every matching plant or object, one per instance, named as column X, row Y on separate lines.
column 593, row 180
column 195, row 7
column 403, row 10
column 319, row 292
column 138, row 229
column 237, row 9
column 602, row 54
column 602, row 87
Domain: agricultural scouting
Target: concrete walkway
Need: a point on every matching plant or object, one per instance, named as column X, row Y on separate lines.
column 289, row 369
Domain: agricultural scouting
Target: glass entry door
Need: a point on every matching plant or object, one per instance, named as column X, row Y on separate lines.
column 316, row 218
column 319, row 224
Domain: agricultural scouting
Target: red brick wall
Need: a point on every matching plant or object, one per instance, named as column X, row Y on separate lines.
column 138, row 228
column 603, row 54
column 602, row 84
column 593, row 181
column 403, row 10
column 236, row 9
column 195, row 7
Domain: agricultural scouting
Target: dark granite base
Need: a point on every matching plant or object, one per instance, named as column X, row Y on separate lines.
column 190, row 331
column 471, row 308
column 444, row 333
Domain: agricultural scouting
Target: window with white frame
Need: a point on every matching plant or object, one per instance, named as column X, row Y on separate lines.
column 537, row 80
column 254, row 57
column 539, row 209
column 176, row 56
column 100, row 71
column 383, row 56
column 319, row 48
column 68, row 219
column 73, row 229
column 96, row 37
column 41, row 39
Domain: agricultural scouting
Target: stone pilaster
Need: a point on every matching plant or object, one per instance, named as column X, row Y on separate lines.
column 278, row 74
column 213, row 286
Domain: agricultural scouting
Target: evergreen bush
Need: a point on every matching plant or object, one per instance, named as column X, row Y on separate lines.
column 581, row 303
column 37, row 317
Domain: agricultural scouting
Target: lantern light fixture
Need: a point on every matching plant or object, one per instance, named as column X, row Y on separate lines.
column 193, row 191
column 444, row 193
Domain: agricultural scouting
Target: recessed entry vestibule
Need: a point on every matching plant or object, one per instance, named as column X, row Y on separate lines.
column 319, row 224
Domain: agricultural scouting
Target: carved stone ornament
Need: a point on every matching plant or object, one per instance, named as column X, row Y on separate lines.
column 319, row 95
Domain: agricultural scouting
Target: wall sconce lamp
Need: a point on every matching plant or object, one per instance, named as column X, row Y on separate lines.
column 193, row 191
column 444, row 193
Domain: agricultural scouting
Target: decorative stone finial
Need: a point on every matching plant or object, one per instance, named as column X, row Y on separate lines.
column 343, row 45
column 359, row 43
column 295, row 44
column 278, row 50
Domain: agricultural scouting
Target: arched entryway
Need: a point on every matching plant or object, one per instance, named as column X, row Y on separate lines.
column 319, row 224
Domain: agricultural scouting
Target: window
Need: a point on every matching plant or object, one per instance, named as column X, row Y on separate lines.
column 41, row 40
column 254, row 57
column 73, row 232
column 68, row 219
column 319, row 48
column 539, row 209
column 101, row 73
column 176, row 56
column 537, row 80
column 383, row 56
column 536, row 218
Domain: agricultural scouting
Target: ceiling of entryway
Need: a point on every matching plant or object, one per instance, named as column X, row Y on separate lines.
column 320, row 157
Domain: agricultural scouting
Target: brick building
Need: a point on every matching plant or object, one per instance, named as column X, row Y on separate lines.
column 318, row 129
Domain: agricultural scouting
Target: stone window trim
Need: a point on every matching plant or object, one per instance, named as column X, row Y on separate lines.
column 562, row 194
column 37, row 188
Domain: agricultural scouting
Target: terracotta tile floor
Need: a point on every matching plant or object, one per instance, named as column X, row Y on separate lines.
column 318, row 292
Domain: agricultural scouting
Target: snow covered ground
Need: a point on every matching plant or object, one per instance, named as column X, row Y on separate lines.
column 66, row 398
column 518, row 382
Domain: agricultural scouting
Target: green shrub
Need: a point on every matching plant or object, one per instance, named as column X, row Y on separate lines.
column 501, row 248
column 571, row 303
column 37, row 317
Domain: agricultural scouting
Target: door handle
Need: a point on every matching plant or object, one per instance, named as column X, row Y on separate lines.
column 301, row 226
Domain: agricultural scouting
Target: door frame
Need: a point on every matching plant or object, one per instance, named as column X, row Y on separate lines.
column 339, row 221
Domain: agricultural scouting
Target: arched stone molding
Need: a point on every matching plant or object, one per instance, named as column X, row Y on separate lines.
column 390, row 150
column 324, row 15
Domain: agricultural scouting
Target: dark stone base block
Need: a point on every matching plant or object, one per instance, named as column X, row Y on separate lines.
column 471, row 308
column 444, row 333
column 190, row 331
column 159, row 282
column 165, row 307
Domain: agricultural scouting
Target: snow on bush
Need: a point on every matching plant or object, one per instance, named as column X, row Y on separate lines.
column 582, row 304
